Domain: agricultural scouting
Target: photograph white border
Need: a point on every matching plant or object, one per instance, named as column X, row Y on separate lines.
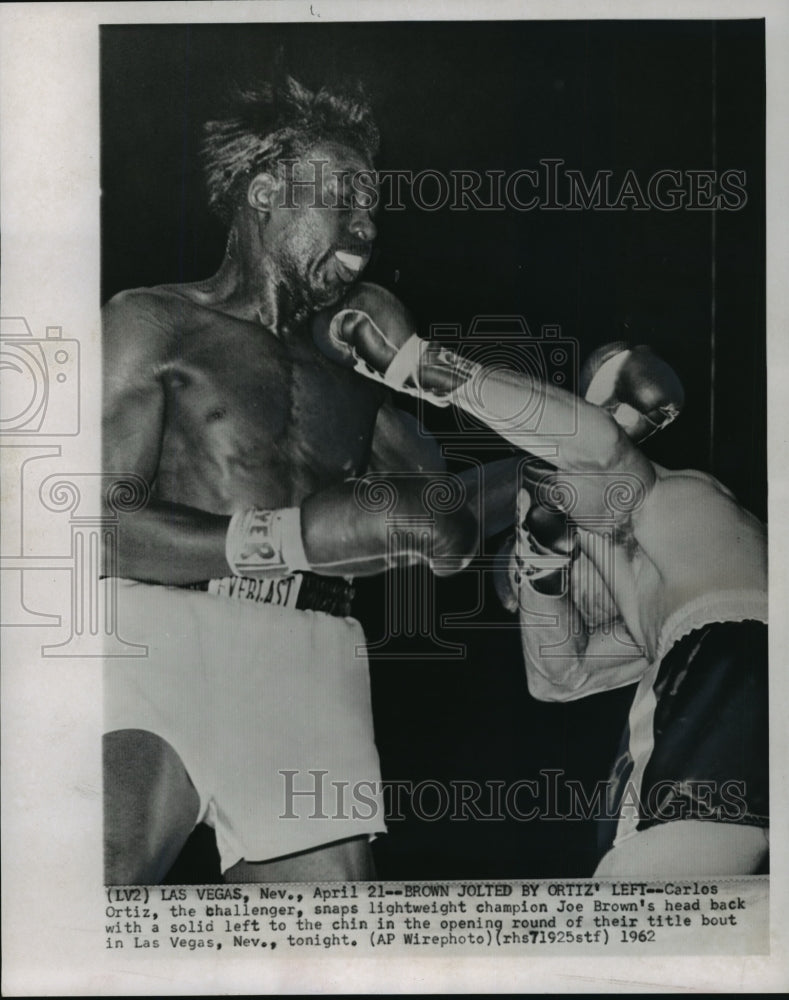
column 51, row 710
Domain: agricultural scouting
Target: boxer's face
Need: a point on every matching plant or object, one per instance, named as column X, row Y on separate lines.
column 320, row 228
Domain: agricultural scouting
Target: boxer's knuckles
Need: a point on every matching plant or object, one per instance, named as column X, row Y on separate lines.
column 371, row 324
column 342, row 530
column 454, row 535
column 366, row 338
column 455, row 541
column 327, row 343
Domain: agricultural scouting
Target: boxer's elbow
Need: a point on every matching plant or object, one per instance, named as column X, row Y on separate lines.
column 601, row 442
column 614, row 452
column 565, row 680
column 542, row 689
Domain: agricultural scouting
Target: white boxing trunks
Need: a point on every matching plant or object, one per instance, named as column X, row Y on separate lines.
column 267, row 706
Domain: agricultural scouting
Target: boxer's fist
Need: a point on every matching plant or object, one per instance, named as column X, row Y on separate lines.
column 371, row 326
column 641, row 391
column 374, row 334
column 344, row 537
column 547, row 533
column 550, row 531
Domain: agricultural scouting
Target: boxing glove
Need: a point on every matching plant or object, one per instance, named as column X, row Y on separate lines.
column 334, row 534
column 641, row 391
column 346, row 532
column 374, row 334
column 546, row 532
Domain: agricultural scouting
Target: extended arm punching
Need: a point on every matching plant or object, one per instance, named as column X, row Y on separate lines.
column 574, row 637
column 335, row 533
column 625, row 399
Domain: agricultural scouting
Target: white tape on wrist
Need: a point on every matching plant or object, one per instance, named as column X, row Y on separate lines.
column 534, row 564
column 263, row 543
column 538, row 572
column 402, row 369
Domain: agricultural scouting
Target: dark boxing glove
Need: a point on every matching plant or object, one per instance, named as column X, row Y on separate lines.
column 374, row 334
column 345, row 534
column 544, row 545
column 544, row 530
column 641, row 391
column 546, row 533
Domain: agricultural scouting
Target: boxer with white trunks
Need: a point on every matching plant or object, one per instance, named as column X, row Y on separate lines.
column 236, row 571
column 624, row 572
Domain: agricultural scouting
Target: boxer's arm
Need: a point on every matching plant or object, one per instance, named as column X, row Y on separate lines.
column 161, row 542
column 599, row 447
column 564, row 658
column 172, row 543
column 597, row 664
column 377, row 335
column 497, row 397
column 492, row 490
column 401, row 443
column 347, row 531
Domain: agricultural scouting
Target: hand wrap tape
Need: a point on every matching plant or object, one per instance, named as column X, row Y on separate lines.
column 403, row 367
column 262, row 543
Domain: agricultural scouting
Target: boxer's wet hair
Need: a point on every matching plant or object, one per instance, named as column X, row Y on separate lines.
column 274, row 122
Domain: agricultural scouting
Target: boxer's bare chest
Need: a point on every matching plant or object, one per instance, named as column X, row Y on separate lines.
column 251, row 417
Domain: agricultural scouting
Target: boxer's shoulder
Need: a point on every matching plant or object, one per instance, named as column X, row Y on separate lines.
column 692, row 482
column 155, row 324
column 695, row 529
column 139, row 334
column 154, row 299
column 680, row 502
column 153, row 313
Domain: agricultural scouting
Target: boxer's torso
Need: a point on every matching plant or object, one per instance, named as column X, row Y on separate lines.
column 251, row 418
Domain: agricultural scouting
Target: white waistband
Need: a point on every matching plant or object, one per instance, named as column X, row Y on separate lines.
column 720, row 606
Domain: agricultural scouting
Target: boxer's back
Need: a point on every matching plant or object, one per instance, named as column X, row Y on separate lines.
column 688, row 540
column 700, row 538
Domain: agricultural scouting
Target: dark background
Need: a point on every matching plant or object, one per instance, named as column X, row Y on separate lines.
column 678, row 95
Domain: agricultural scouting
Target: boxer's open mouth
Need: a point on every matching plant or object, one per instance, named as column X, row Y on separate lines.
column 350, row 261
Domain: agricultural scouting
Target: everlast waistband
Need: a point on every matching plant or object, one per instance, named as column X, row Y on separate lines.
column 302, row 591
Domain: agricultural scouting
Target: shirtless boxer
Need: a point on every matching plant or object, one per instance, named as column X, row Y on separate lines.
column 626, row 572
column 235, row 573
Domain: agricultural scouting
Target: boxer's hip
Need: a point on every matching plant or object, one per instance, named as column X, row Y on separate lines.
column 696, row 744
column 256, row 698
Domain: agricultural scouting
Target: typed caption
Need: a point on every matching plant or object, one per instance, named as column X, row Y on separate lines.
column 613, row 917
